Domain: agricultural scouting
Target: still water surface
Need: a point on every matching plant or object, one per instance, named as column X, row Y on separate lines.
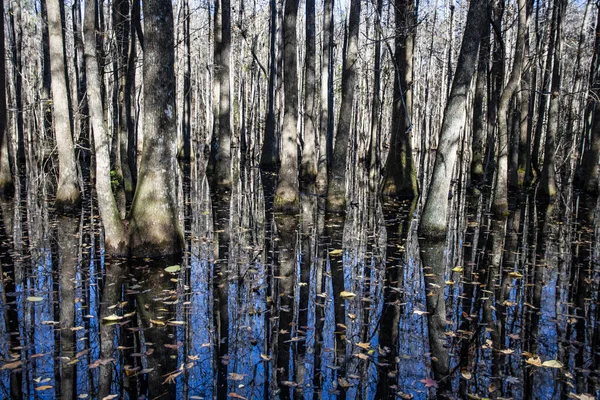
column 264, row 305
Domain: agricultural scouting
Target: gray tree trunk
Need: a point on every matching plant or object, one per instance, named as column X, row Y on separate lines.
column 591, row 154
column 326, row 113
column 434, row 218
column 547, row 188
column 221, row 144
column 309, row 148
column 400, row 179
column 114, row 232
column 500, row 203
column 336, row 190
column 154, row 223
column 68, row 196
column 6, row 182
column 286, row 195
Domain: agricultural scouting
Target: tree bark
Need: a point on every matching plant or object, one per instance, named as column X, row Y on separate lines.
column 68, row 196
column 6, row 182
column 221, row 144
column 400, row 179
column 154, row 223
column 500, row 203
column 114, row 231
column 547, row 188
column 434, row 218
column 336, row 190
column 479, row 126
column 286, row 194
column 268, row 159
column 309, row 148
column 590, row 169
column 326, row 113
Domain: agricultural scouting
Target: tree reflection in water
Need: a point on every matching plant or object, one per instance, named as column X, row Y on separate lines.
column 266, row 305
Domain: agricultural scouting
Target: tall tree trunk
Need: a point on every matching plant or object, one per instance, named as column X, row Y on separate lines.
column 309, row 148
column 500, row 203
column 286, row 194
column 375, row 127
column 336, row 190
column 400, row 176
column 434, row 218
column 154, row 223
column 547, row 188
column 326, row 113
column 123, row 31
column 591, row 154
column 479, row 126
column 68, row 196
column 16, row 26
column 221, row 144
column 6, row 182
column 268, row 159
column 114, row 232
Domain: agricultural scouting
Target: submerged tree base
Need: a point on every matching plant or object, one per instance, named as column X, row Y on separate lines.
column 286, row 200
column 68, row 199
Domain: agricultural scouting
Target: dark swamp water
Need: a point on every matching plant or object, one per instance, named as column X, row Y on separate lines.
column 264, row 305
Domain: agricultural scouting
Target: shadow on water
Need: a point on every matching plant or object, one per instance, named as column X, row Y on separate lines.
column 267, row 305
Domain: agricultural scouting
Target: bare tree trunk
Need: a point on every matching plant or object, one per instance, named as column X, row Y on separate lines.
column 154, row 222
column 114, row 231
column 221, row 144
column 479, row 126
column 326, row 113
column 375, row 127
column 500, row 203
column 6, row 182
column 309, row 148
column 68, row 196
column 123, row 31
column 434, row 218
column 269, row 151
column 400, row 176
column 547, row 188
column 590, row 170
column 336, row 190
column 286, row 194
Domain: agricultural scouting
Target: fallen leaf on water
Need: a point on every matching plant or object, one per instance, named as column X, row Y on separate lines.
column 466, row 374
column 157, row 322
column 362, row 345
column 111, row 318
column 34, row 298
column 235, row 377
column 336, row 252
column 235, row 396
column 535, row 361
column 12, row 365
column 45, row 387
column 110, row 397
column 174, row 346
column 507, row 351
column 343, row 383
column 347, row 295
column 265, row 357
column 419, row 312
column 552, row 364
column 172, row 269
column 583, row 396
column 429, row 382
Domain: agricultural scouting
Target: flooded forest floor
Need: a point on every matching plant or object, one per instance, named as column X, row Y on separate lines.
column 266, row 305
